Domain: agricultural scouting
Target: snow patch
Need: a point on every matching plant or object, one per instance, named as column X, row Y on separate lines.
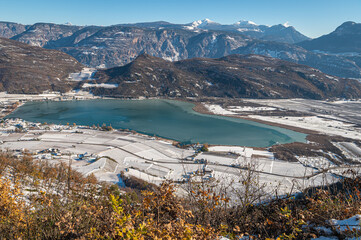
column 245, row 23
column 216, row 109
column 84, row 74
column 100, row 85
column 250, row 109
column 352, row 223
column 286, row 24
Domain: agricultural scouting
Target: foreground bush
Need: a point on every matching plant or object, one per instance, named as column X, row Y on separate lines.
column 39, row 201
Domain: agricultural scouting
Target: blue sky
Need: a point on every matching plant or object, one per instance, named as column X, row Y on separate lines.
column 311, row 17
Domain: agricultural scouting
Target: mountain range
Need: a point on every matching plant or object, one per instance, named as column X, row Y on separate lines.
column 346, row 39
column 278, row 33
column 233, row 76
column 117, row 45
column 31, row 69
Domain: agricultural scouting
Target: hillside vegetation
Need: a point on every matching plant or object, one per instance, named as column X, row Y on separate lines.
column 29, row 69
column 41, row 201
column 234, row 76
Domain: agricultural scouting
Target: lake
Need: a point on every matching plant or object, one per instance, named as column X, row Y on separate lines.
column 165, row 118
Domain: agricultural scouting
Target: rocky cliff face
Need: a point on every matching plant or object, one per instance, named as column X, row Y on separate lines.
column 112, row 46
column 40, row 34
column 119, row 45
column 28, row 69
column 250, row 76
column 9, row 29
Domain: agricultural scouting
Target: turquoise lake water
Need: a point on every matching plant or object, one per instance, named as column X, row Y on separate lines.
column 165, row 118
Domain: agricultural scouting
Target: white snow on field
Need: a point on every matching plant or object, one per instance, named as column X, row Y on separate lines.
column 216, row 109
column 350, row 150
column 231, row 110
column 316, row 162
column 281, row 182
column 214, row 159
column 100, row 85
column 116, row 154
column 154, row 161
column 249, row 109
column 91, row 168
column 322, row 125
column 282, row 168
column 144, row 176
column 85, row 74
column 233, row 149
column 243, row 151
column 152, row 154
column 346, row 101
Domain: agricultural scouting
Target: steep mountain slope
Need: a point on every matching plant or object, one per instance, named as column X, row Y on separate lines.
column 40, row 34
column 330, row 64
column 112, row 46
column 119, row 45
column 283, row 33
column 9, row 29
column 345, row 39
column 28, row 69
column 250, row 76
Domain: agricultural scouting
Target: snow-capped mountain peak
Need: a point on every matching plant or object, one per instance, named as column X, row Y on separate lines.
column 200, row 24
column 207, row 20
column 245, row 23
column 286, row 24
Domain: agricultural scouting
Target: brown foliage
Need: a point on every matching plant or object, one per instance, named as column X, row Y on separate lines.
column 62, row 204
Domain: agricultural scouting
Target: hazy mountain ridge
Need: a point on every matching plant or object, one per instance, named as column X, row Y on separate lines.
column 250, row 76
column 278, row 33
column 345, row 39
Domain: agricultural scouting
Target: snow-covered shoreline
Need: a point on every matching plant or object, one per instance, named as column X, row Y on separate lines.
column 324, row 124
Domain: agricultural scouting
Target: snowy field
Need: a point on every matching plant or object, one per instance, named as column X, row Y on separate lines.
column 315, row 123
column 333, row 118
column 56, row 96
column 84, row 74
column 108, row 154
